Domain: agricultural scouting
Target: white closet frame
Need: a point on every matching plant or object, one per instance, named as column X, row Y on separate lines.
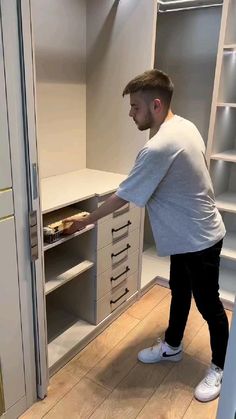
column 221, row 150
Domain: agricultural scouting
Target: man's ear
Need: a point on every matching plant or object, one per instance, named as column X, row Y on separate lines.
column 157, row 104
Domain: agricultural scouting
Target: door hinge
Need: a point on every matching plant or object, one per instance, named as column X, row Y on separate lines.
column 33, row 225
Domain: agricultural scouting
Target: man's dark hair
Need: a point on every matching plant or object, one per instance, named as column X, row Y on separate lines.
column 155, row 83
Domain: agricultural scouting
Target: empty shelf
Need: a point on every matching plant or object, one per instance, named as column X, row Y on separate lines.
column 228, row 155
column 224, row 104
column 65, row 332
column 226, row 201
column 76, row 186
column 229, row 246
column 153, row 266
column 230, row 47
column 228, row 286
column 61, row 270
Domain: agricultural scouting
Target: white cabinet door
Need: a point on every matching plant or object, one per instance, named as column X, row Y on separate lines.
column 5, row 167
column 10, row 318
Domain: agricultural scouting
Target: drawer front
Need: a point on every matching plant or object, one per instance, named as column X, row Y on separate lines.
column 112, row 256
column 111, row 301
column 6, row 203
column 116, row 214
column 112, row 278
column 118, row 228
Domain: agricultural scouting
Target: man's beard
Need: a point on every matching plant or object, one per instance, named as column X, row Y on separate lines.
column 147, row 123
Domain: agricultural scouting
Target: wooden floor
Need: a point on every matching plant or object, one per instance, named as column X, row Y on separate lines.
column 106, row 381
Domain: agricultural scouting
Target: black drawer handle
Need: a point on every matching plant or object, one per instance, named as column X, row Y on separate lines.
column 126, row 292
column 127, row 269
column 117, row 254
column 114, row 230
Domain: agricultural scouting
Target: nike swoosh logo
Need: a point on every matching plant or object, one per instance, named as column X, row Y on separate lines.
column 165, row 355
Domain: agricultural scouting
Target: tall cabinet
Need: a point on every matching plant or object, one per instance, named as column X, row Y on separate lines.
column 17, row 361
column 221, row 150
column 11, row 354
column 74, row 76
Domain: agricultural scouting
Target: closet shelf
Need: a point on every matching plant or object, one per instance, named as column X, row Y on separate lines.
column 66, row 238
column 61, row 270
column 65, row 332
column 227, row 286
column 230, row 47
column 225, row 104
column 226, row 201
column 73, row 187
column 227, row 155
column 154, row 266
column 229, row 246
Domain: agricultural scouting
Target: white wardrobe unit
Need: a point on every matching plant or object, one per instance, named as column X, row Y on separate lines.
column 222, row 158
column 221, row 147
column 17, row 362
column 77, row 59
column 86, row 146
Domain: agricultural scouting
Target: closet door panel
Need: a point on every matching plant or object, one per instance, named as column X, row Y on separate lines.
column 10, row 325
column 6, row 203
column 5, row 176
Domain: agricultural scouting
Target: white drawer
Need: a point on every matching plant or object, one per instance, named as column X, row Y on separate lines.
column 6, row 203
column 116, row 297
column 112, row 278
column 116, row 214
column 115, row 229
column 112, row 256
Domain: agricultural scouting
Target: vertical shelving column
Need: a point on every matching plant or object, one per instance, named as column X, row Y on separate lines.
column 221, row 150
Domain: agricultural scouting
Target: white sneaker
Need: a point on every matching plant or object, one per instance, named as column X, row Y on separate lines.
column 160, row 352
column 209, row 388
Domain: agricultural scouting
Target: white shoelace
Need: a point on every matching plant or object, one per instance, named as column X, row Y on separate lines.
column 157, row 342
column 212, row 378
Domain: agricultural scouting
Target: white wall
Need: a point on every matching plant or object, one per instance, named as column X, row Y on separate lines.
column 186, row 49
column 60, row 52
column 120, row 45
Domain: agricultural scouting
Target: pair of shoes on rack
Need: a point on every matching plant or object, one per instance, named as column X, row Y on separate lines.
column 208, row 389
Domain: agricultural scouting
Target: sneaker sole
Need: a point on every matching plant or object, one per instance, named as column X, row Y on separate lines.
column 168, row 359
column 207, row 400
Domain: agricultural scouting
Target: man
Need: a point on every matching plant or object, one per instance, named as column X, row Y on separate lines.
column 171, row 179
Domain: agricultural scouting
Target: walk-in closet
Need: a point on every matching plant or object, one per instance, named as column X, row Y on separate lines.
column 74, row 59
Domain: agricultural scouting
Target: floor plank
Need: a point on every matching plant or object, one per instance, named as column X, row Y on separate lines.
column 60, row 384
column 130, row 396
column 175, row 393
column 146, row 304
column 80, row 402
column 103, row 344
column 198, row 410
column 116, row 365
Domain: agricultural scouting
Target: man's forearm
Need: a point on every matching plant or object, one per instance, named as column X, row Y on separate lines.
column 112, row 204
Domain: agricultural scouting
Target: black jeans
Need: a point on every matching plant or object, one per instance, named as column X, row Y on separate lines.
column 197, row 273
